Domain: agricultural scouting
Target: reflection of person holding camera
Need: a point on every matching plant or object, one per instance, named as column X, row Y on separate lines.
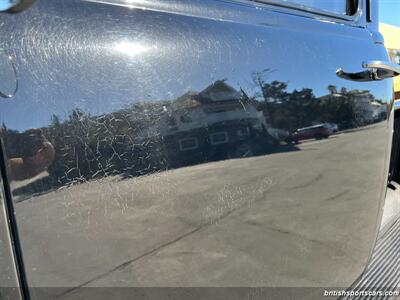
column 22, row 168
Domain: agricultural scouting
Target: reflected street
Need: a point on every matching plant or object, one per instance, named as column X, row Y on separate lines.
column 189, row 227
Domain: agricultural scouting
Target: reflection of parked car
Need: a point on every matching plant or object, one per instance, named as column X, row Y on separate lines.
column 312, row 132
column 332, row 127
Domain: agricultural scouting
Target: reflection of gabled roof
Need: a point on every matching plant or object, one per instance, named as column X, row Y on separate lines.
column 218, row 93
column 186, row 101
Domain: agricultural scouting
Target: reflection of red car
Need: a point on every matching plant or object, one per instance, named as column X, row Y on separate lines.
column 312, row 132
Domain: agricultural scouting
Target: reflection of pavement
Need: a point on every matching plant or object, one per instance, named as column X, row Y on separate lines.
column 246, row 222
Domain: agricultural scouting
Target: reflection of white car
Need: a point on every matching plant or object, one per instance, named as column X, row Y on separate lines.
column 332, row 127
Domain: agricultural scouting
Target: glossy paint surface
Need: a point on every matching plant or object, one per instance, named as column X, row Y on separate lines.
column 166, row 157
column 9, row 286
column 8, row 80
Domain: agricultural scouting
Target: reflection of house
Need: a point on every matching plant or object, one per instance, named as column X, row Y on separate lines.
column 362, row 106
column 218, row 103
column 366, row 108
column 217, row 116
column 359, row 107
column 379, row 110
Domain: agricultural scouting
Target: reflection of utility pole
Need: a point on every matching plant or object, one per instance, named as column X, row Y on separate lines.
column 22, row 168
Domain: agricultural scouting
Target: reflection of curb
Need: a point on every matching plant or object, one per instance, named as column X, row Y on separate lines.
column 22, row 183
column 357, row 129
column 24, row 190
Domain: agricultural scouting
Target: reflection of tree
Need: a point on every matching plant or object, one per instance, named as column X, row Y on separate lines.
column 336, row 108
column 89, row 147
column 297, row 109
column 332, row 89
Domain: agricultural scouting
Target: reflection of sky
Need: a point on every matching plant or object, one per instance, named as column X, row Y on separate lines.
column 6, row 4
column 91, row 61
column 389, row 12
column 131, row 48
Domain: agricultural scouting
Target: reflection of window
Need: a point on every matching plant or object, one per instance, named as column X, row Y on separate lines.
column 185, row 119
column 188, row 144
column 342, row 7
column 218, row 138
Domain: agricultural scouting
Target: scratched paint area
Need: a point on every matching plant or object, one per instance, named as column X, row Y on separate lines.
column 180, row 157
column 170, row 228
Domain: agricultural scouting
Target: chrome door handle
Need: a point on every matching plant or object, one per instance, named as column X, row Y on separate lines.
column 384, row 69
column 375, row 70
